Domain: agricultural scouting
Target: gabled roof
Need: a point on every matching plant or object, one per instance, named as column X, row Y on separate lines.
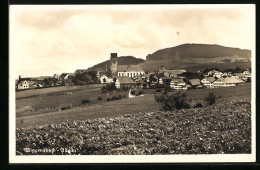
column 240, row 74
column 210, row 79
column 171, row 71
column 232, row 79
column 63, row 75
column 125, row 80
column 195, row 82
column 178, row 80
column 23, row 81
column 129, row 68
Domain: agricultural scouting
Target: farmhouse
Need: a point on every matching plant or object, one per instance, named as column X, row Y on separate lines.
column 24, row 84
column 178, row 84
column 227, row 82
column 195, row 83
column 215, row 73
column 208, row 82
column 165, row 80
column 124, row 81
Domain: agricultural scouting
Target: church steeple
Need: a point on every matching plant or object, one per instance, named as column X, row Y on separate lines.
column 113, row 64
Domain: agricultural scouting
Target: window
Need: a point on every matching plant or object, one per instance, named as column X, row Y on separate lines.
column 104, row 80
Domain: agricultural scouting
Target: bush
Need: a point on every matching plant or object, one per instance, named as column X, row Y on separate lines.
column 172, row 101
column 115, row 98
column 108, row 99
column 211, row 98
column 125, row 88
column 158, row 90
column 140, row 92
column 86, row 101
column 197, row 105
column 99, row 98
column 132, row 92
column 167, row 89
column 108, row 87
column 120, row 96
column 124, row 96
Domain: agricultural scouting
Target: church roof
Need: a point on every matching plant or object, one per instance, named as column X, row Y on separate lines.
column 129, row 68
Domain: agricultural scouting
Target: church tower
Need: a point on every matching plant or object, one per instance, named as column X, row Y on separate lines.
column 113, row 64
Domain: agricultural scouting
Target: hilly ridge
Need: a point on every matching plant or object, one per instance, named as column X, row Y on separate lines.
column 187, row 56
column 122, row 60
column 198, row 51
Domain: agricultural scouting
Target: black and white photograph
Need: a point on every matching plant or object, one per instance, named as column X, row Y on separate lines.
column 131, row 83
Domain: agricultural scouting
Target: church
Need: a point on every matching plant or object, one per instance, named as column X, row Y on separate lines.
column 120, row 74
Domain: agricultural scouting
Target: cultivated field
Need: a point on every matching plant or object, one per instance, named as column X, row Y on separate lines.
column 222, row 128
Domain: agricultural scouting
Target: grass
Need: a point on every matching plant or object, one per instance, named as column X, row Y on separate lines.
column 108, row 109
column 105, row 109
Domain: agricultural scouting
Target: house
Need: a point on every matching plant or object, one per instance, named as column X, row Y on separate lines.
column 165, row 80
column 124, row 81
column 105, row 79
column 24, row 84
column 195, row 83
column 129, row 70
column 164, row 72
column 215, row 73
column 208, row 81
column 241, row 76
column 56, row 76
column 178, row 84
column 227, row 82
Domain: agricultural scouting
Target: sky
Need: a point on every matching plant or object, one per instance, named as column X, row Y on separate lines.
column 47, row 40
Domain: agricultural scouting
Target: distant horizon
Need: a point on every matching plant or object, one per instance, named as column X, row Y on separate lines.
column 51, row 39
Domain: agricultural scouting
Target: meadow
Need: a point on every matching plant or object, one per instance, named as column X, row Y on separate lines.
column 27, row 117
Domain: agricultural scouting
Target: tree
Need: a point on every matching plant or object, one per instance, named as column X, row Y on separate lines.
column 211, row 98
column 170, row 101
column 93, row 75
column 82, row 79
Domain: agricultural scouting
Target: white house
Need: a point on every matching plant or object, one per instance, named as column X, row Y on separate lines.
column 208, row 82
column 23, row 85
column 104, row 79
column 129, row 71
column 178, row 84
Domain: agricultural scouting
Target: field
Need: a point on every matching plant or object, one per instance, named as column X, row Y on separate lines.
column 28, row 113
column 138, row 125
column 223, row 128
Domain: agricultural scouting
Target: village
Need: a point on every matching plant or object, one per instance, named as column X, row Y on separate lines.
column 132, row 76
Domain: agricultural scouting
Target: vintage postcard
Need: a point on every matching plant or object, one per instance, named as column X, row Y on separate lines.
column 132, row 83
